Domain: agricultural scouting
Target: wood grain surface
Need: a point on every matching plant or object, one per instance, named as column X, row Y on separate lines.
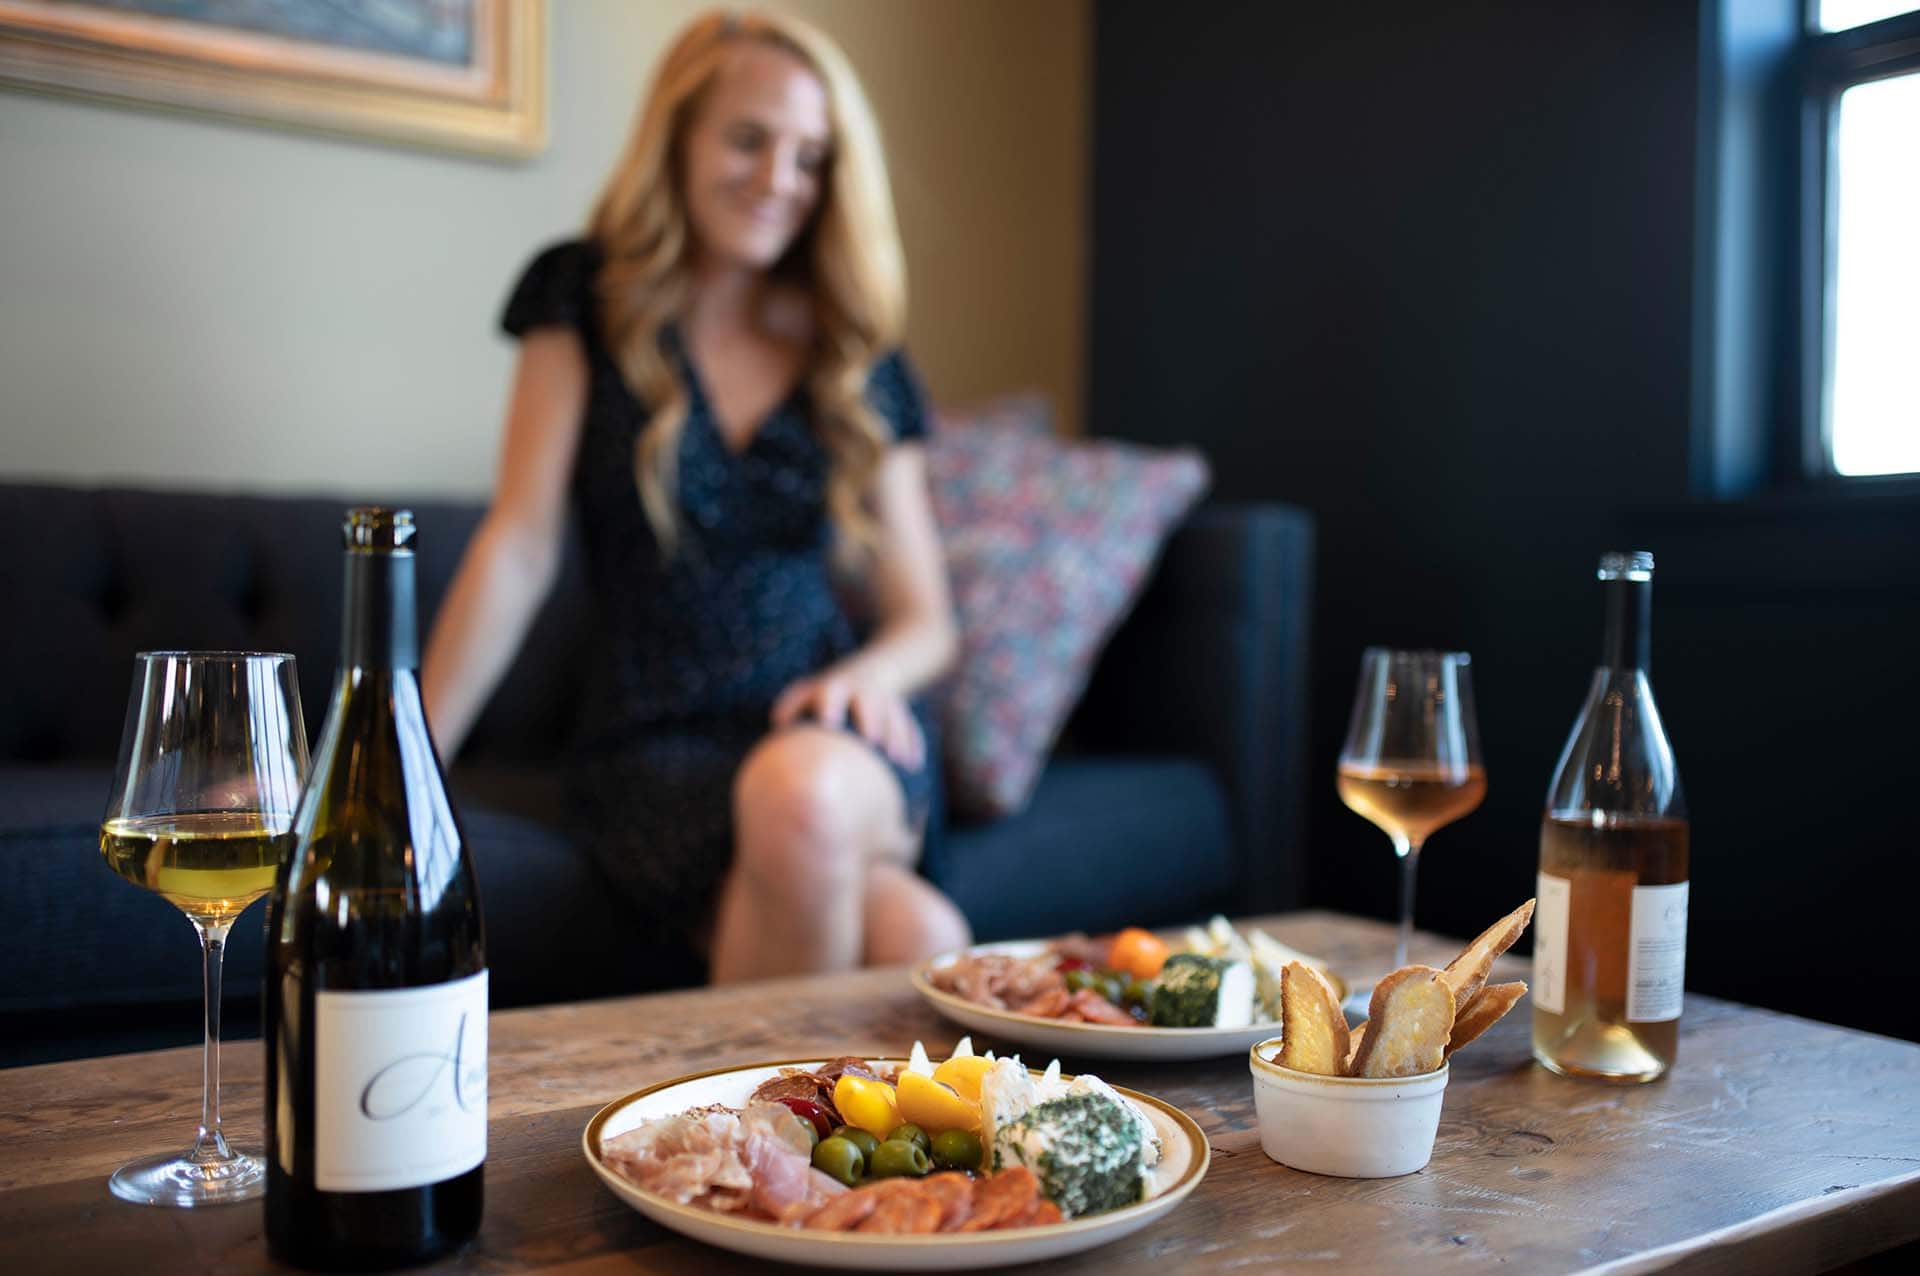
column 1776, row 1144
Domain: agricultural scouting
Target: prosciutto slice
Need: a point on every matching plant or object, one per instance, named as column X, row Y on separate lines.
column 1001, row 981
column 757, row 1161
column 1094, row 1008
column 686, row 1158
column 779, row 1154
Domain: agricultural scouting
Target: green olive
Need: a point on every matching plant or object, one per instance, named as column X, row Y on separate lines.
column 897, row 1158
column 1139, row 992
column 957, row 1150
column 908, row 1132
column 860, row 1139
column 1080, row 977
column 1113, row 987
column 841, row 1159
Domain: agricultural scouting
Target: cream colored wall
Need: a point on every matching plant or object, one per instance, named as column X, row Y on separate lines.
column 185, row 302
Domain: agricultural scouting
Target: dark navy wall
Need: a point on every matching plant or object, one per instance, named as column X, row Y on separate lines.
column 1427, row 271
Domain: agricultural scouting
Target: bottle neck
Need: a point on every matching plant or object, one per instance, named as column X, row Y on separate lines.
column 1629, row 638
column 378, row 630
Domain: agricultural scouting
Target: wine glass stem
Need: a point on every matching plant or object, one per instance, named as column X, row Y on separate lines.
column 210, row 1146
column 1409, row 865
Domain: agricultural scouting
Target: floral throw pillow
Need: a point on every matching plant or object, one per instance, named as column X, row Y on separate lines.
column 1048, row 542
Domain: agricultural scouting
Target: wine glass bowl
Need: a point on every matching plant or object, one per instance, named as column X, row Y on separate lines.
column 208, row 864
column 212, row 759
column 1410, row 801
column 1411, row 762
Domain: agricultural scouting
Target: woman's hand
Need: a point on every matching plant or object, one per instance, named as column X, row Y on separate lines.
column 915, row 639
column 836, row 697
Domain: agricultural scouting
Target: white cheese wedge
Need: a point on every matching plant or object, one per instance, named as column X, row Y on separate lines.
column 1006, row 1095
column 1236, row 996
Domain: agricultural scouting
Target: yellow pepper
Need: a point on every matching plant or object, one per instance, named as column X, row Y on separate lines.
column 964, row 1074
column 866, row 1104
column 933, row 1107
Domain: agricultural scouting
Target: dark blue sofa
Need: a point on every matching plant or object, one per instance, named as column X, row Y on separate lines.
column 1174, row 791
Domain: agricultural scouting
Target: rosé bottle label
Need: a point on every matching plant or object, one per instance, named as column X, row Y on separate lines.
column 400, row 1085
column 1553, row 897
column 1657, row 953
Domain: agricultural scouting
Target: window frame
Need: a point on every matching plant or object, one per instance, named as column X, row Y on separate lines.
column 1826, row 64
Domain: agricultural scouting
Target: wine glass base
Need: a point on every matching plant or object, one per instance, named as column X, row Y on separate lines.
column 182, row 1182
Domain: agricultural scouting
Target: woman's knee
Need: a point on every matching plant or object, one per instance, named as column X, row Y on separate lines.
column 800, row 808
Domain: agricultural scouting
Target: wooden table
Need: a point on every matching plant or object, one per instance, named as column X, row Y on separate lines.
column 1776, row 1144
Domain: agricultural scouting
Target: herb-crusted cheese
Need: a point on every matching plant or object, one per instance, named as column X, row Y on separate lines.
column 1150, row 1149
column 1196, row 991
column 1085, row 1148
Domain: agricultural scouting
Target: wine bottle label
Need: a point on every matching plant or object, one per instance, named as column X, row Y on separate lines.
column 400, row 1085
column 1552, row 896
column 1656, row 953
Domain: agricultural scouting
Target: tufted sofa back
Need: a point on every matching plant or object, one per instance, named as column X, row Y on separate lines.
column 90, row 576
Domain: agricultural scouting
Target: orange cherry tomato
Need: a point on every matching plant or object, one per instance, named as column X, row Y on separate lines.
column 1137, row 952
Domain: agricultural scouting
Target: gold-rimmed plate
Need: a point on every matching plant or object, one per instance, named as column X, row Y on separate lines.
column 1059, row 1037
column 1183, row 1162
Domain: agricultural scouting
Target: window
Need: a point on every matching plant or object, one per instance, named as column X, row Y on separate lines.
column 1842, row 15
column 1873, row 398
column 1860, row 292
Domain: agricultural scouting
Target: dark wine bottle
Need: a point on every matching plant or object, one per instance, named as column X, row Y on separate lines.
column 1610, row 927
column 376, row 995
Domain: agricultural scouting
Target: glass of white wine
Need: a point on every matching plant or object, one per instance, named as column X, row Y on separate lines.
column 212, row 760
column 1411, row 763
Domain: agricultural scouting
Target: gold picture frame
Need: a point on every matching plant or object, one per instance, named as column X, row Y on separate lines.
column 489, row 97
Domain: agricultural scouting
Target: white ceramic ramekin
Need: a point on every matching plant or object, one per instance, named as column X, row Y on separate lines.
column 1352, row 1127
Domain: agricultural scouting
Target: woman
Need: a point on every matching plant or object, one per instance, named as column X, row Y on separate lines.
column 712, row 378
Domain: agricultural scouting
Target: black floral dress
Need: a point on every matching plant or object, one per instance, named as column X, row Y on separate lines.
column 695, row 648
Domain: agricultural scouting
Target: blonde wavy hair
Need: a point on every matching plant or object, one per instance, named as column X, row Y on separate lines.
column 847, row 258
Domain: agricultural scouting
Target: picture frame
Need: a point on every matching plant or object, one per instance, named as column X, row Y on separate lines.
column 463, row 75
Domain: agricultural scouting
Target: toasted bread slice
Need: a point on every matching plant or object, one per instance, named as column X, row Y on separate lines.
column 1313, row 1032
column 1467, row 973
column 1483, row 1012
column 1410, row 1022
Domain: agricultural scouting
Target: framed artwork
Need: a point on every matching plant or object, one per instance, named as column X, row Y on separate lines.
column 463, row 74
